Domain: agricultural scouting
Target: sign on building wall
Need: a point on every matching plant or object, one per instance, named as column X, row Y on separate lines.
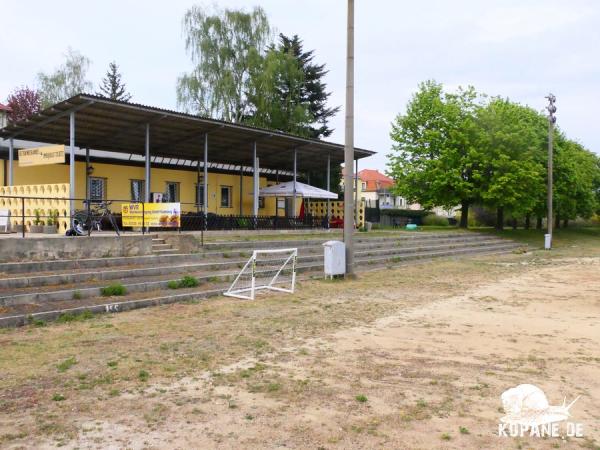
column 166, row 215
column 39, row 156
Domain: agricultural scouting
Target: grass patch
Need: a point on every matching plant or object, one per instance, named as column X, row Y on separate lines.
column 185, row 282
column 66, row 364
column 58, row 397
column 463, row 430
column 113, row 290
column 36, row 322
column 70, row 317
column 361, row 398
column 143, row 375
column 445, row 437
column 77, row 295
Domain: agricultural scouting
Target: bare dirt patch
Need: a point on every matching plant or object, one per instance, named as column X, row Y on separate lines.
column 415, row 357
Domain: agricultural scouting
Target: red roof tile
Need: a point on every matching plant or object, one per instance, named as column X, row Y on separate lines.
column 375, row 180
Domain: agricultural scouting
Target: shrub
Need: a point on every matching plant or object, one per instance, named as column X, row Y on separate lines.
column 37, row 220
column 113, row 290
column 361, row 398
column 435, row 220
column 186, row 282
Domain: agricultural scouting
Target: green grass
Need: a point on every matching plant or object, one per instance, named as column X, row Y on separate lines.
column 143, row 375
column 186, row 282
column 361, row 398
column 66, row 364
column 70, row 317
column 571, row 241
column 115, row 289
column 58, row 397
column 76, row 295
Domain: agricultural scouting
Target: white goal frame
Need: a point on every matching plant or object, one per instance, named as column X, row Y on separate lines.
column 249, row 293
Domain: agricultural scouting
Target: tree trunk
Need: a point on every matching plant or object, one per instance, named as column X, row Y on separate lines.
column 538, row 223
column 565, row 223
column 527, row 222
column 464, row 214
column 557, row 221
column 500, row 219
column 514, row 224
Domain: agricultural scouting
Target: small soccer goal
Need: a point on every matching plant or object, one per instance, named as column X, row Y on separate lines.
column 273, row 270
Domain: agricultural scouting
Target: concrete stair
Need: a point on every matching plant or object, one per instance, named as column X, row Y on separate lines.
column 161, row 247
column 44, row 290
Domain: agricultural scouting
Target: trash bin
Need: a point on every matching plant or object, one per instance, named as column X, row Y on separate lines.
column 334, row 258
column 547, row 241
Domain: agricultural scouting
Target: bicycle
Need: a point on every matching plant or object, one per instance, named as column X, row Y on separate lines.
column 87, row 220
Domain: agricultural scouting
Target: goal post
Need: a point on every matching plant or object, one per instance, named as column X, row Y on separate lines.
column 273, row 270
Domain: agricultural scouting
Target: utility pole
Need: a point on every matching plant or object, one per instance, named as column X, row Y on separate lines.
column 349, row 145
column 551, row 121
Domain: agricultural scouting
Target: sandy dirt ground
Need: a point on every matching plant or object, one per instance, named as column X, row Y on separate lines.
column 425, row 374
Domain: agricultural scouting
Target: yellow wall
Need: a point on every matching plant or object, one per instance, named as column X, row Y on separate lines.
column 118, row 185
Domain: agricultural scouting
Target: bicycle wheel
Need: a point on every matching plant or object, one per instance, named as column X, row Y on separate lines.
column 80, row 223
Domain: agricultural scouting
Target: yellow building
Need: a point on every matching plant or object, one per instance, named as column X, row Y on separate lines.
column 113, row 148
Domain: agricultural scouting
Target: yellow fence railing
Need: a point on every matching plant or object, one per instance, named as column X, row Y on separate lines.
column 319, row 208
column 52, row 199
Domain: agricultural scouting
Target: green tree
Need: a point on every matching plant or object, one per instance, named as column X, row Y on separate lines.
column 221, row 44
column 576, row 180
column 66, row 81
column 510, row 140
column 274, row 94
column 312, row 91
column 112, row 86
column 434, row 160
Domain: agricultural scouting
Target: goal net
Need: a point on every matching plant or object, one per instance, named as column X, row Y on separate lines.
column 273, row 270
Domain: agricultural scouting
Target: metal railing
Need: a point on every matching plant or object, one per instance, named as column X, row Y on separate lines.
column 29, row 218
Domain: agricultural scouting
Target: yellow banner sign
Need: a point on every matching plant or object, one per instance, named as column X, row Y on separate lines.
column 167, row 215
column 39, row 156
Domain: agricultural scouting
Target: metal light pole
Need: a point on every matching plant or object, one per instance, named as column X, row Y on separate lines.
column 349, row 145
column 551, row 121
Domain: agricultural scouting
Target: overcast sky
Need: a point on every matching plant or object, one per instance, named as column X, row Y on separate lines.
column 519, row 49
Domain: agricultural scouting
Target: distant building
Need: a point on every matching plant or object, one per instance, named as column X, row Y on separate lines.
column 375, row 186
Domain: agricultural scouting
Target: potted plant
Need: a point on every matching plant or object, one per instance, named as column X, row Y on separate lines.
column 51, row 223
column 38, row 225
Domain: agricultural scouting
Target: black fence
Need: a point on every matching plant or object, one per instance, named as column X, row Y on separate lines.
column 196, row 221
column 53, row 217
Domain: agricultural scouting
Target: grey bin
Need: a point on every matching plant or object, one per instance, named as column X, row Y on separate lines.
column 335, row 258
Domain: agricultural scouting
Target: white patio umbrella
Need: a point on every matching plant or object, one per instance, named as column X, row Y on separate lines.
column 302, row 190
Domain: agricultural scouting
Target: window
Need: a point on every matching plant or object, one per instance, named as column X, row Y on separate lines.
column 97, row 188
column 261, row 202
column 225, row 196
column 200, row 194
column 171, row 192
column 137, row 190
column 364, row 186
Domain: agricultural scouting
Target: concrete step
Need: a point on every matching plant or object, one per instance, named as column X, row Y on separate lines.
column 170, row 256
column 26, row 285
column 23, row 310
column 207, row 264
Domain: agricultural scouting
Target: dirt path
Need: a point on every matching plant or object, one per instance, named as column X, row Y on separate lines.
column 426, row 373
